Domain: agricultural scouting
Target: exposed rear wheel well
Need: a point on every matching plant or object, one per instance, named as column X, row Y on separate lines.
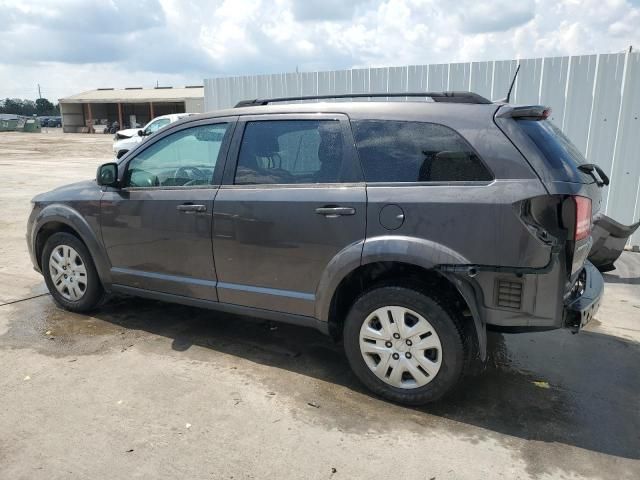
column 378, row 274
column 46, row 231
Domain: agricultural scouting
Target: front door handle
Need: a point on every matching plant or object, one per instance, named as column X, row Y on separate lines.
column 189, row 207
column 333, row 212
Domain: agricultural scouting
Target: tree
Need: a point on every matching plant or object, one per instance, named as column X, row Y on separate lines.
column 28, row 108
column 18, row 106
column 12, row 105
column 44, row 107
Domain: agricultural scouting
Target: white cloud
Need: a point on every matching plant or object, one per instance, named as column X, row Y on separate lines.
column 496, row 16
column 73, row 45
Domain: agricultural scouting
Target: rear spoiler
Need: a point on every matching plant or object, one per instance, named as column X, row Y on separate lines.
column 529, row 112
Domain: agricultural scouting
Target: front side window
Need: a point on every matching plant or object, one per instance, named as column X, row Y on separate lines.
column 290, row 152
column 183, row 159
column 397, row 151
column 157, row 125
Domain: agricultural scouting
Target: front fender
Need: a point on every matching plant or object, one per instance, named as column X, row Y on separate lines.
column 73, row 219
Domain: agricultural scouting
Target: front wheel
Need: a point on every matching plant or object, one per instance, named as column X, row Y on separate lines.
column 70, row 274
column 404, row 345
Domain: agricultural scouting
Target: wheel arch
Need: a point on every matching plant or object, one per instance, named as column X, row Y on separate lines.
column 389, row 259
column 62, row 218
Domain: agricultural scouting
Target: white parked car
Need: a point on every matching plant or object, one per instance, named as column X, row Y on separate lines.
column 125, row 140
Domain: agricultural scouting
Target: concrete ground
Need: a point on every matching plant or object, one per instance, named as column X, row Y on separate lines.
column 151, row 390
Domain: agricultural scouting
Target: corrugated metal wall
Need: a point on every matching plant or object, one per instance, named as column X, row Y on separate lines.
column 595, row 100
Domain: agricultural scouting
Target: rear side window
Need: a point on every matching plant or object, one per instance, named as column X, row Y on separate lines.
column 396, row 151
column 556, row 148
column 290, row 152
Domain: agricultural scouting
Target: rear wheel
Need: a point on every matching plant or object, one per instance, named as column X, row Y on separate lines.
column 70, row 274
column 404, row 345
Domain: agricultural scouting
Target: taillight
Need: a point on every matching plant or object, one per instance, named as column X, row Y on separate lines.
column 583, row 217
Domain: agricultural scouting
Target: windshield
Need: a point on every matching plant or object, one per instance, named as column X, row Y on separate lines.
column 156, row 125
column 560, row 153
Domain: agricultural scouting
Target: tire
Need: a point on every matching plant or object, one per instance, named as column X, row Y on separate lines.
column 430, row 337
column 81, row 289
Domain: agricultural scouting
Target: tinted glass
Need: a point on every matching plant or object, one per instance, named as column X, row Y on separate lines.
column 393, row 151
column 183, row 159
column 552, row 142
column 290, row 151
column 157, row 125
column 561, row 155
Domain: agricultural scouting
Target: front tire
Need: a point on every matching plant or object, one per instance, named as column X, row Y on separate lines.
column 70, row 273
column 404, row 345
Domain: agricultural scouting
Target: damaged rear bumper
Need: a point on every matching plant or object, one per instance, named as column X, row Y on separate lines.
column 609, row 239
column 580, row 308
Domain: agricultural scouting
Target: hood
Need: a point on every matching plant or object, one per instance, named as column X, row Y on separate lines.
column 127, row 133
column 84, row 190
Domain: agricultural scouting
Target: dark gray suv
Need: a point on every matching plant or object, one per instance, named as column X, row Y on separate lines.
column 405, row 229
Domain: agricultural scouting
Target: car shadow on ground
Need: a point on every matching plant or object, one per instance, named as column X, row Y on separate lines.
column 579, row 390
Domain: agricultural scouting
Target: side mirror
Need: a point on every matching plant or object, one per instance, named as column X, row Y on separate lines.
column 107, row 175
column 141, row 133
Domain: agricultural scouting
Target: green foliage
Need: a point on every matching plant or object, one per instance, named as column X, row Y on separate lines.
column 44, row 107
column 18, row 106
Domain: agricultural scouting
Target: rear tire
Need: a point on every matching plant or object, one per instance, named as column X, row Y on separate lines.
column 70, row 273
column 404, row 345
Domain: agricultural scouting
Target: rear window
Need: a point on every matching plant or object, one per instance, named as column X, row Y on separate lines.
column 398, row 151
column 560, row 154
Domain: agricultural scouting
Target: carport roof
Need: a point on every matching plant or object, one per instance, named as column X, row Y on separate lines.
column 136, row 95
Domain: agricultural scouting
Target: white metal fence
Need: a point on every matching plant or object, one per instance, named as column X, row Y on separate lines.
column 595, row 99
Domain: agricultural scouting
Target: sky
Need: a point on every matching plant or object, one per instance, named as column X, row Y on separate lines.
column 71, row 46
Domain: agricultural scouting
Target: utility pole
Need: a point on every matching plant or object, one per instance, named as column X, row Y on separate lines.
column 39, row 93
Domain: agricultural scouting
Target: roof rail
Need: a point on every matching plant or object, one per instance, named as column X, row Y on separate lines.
column 446, row 97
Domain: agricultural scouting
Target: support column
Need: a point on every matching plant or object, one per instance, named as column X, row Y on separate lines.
column 151, row 111
column 120, row 116
column 90, row 118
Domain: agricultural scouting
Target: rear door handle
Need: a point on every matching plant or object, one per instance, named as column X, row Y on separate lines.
column 189, row 207
column 333, row 212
